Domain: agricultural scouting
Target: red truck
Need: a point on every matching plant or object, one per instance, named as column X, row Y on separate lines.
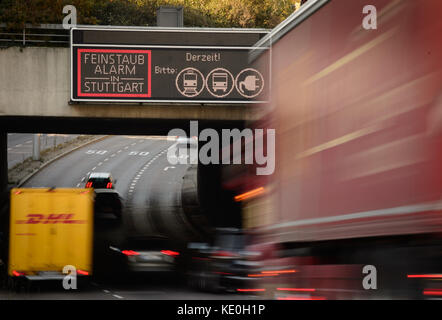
column 357, row 189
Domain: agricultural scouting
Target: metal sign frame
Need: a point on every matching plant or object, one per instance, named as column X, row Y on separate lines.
column 163, row 29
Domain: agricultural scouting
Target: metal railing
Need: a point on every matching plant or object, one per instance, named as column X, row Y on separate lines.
column 52, row 35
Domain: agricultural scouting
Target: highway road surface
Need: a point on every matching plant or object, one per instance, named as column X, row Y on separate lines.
column 151, row 188
column 141, row 288
column 145, row 180
column 20, row 145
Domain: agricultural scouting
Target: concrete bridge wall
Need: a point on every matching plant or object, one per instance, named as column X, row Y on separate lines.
column 35, row 81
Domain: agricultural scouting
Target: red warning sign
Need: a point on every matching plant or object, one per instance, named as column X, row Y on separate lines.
column 109, row 73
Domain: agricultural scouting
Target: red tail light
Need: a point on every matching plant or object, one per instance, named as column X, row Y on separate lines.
column 279, row 271
column 424, row 276
column 250, row 290
column 109, row 185
column 297, row 289
column 224, row 254
column 130, row 253
column 84, row 273
column 170, row 252
column 300, row 298
column 89, row 185
column 263, row 275
column 17, row 274
column 433, row 292
column 223, row 273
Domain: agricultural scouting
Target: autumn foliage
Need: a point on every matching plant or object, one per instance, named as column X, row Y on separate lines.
column 197, row 13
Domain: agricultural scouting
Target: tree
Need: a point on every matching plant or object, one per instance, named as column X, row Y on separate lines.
column 197, row 13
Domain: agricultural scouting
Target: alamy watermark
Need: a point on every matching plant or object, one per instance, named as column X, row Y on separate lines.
column 70, row 20
column 370, row 20
column 259, row 147
column 70, row 281
column 370, row 281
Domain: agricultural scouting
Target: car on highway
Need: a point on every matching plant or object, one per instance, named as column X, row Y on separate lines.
column 153, row 254
column 224, row 265
column 100, row 180
column 108, row 204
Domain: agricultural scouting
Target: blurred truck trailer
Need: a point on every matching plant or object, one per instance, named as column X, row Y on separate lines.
column 358, row 178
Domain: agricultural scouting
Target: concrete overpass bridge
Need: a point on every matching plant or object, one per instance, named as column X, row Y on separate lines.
column 35, row 94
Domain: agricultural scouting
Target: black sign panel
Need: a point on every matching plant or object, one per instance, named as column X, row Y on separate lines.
column 161, row 73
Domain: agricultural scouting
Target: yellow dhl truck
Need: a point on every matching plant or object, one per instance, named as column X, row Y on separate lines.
column 50, row 229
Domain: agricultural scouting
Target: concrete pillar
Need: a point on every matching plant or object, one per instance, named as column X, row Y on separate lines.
column 36, row 147
column 216, row 203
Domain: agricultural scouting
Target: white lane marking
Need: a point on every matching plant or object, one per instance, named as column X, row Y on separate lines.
column 28, row 141
column 106, row 159
column 126, row 147
column 117, row 296
column 19, row 145
column 100, row 163
column 94, row 168
column 167, row 168
column 82, row 179
column 78, row 185
column 113, row 155
column 119, row 151
column 89, row 173
column 106, row 291
column 133, row 144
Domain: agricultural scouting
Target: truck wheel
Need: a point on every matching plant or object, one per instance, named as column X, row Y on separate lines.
column 16, row 285
column 10, row 283
column 192, row 281
column 3, row 277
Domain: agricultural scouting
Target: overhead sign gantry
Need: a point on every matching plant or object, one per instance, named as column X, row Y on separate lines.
column 190, row 65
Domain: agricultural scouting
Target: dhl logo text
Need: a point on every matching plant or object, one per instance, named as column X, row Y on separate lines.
column 65, row 218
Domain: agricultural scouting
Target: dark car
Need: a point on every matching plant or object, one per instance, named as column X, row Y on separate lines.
column 224, row 265
column 108, row 201
column 153, row 254
column 100, row 180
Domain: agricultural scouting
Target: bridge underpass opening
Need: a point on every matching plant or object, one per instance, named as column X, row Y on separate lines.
column 180, row 201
